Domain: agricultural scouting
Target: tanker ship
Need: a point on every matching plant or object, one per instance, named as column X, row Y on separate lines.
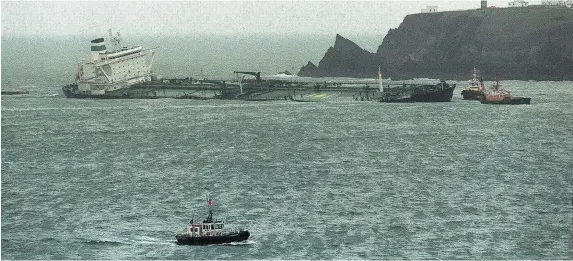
column 123, row 73
column 109, row 73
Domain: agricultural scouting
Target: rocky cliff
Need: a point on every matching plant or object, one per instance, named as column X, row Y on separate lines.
column 344, row 59
column 531, row 43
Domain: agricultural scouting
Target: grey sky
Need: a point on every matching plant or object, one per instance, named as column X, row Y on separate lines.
column 213, row 17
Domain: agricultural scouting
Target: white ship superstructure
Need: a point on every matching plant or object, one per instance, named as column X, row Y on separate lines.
column 114, row 69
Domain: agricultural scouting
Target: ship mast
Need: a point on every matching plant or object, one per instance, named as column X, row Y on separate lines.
column 380, row 80
column 115, row 41
column 497, row 81
column 210, row 216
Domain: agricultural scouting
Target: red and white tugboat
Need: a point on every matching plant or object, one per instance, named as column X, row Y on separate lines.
column 497, row 95
column 209, row 232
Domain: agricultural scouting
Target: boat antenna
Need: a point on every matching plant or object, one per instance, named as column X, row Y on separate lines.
column 209, row 204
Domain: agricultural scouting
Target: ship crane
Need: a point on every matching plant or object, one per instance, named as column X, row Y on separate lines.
column 256, row 74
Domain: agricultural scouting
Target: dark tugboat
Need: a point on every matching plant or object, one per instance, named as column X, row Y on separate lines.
column 473, row 92
column 497, row 95
column 209, row 232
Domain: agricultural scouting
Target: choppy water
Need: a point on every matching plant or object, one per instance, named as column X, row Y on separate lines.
column 117, row 179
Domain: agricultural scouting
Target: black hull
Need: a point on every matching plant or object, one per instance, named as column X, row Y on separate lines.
column 426, row 93
column 184, row 239
column 513, row 101
column 71, row 91
column 87, row 96
column 471, row 95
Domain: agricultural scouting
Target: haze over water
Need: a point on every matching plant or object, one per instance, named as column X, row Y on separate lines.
column 117, row 179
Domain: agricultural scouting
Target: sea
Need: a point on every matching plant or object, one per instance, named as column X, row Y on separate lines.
column 118, row 179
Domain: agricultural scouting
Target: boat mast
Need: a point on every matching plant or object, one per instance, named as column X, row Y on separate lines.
column 210, row 216
column 241, row 84
column 497, row 81
column 115, row 41
column 381, row 88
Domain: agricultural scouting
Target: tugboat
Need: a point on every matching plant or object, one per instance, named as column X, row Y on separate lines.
column 473, row 92
column 210, row 232
column 497, row 95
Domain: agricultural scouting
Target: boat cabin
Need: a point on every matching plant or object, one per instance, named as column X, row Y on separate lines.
column 207, row 227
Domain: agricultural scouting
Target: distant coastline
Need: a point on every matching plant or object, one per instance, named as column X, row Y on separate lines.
column 525, row 43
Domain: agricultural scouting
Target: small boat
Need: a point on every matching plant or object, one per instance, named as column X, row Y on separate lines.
column 497, row 95
column 210, row 232
column 473, row 92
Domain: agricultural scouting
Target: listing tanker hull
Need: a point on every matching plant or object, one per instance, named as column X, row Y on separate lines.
column 296, row 91
column 71, row 91
column 173, row 88
column 441, row 92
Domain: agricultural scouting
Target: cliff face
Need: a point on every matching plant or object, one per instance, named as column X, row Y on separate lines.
column 532, row 43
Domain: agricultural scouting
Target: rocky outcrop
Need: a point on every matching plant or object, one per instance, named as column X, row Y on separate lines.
column 309, row 70
column 344, row 59
column 531, row 43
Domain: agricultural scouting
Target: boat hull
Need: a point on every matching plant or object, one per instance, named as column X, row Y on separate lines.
column 185, row 239
column 270, row 91
column 471, row 95
column 426, row 93
column 513, row 101
column 179, row 89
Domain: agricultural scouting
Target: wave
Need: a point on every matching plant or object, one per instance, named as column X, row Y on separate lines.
column 48, row 239
column 153, row 241
column 282, row 75
column 104, row 242
column 242, row 243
